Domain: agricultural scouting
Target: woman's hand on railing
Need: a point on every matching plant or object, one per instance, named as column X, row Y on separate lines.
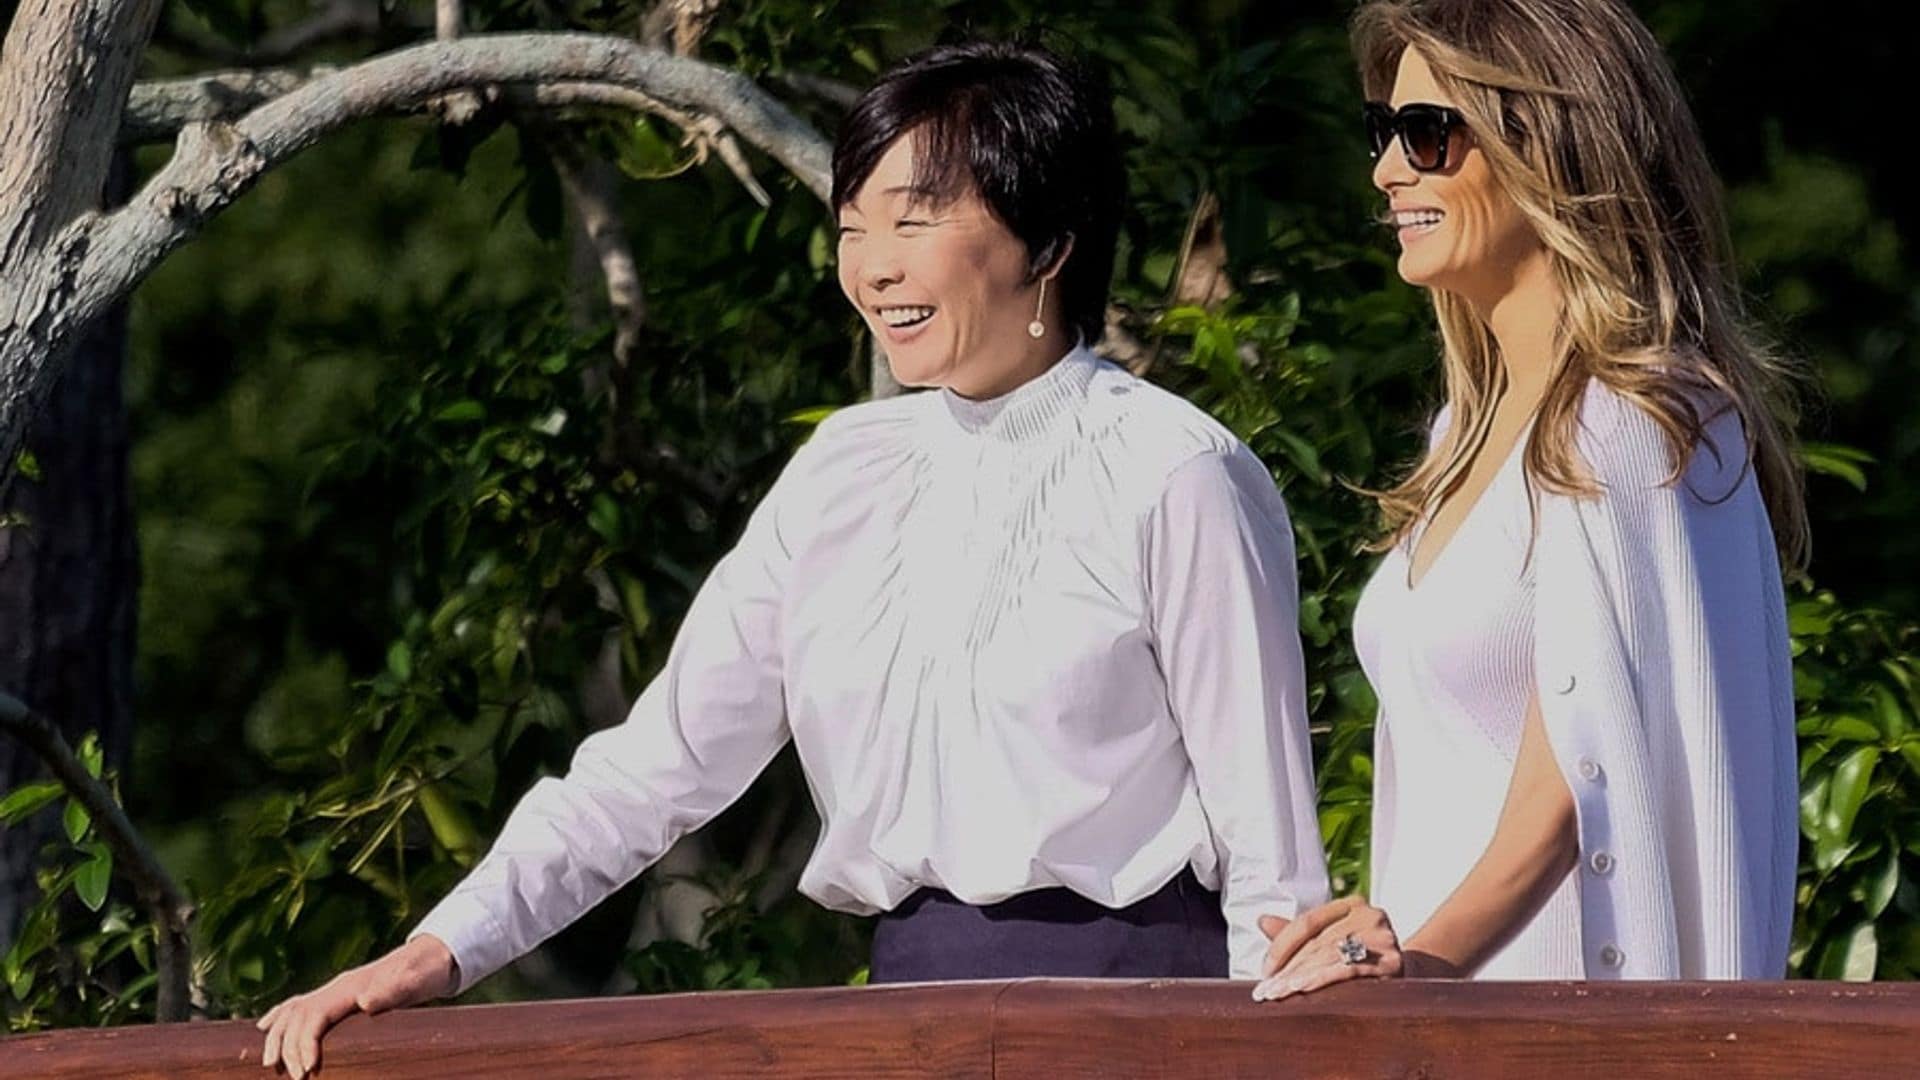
column 1346, row 939
column 420, row 970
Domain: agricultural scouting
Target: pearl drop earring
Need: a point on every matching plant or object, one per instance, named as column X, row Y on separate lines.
column 1037, row 329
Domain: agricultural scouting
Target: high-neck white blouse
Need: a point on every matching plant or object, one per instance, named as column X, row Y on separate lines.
column 1043, row 640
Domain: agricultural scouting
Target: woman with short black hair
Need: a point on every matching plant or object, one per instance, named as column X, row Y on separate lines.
column 1032, row 633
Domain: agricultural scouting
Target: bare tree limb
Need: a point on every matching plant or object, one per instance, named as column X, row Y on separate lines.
column 702, row 129
column 163, row 899
column 158, row 109
column 214, row 163
column 447, row 19
column 592, row 191
column 832, row 91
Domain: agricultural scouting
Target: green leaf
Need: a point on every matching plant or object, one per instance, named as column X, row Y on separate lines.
column 1831, row 459
column 650, row 155
column 1851, row 956
column 1884, row 883
column 91, row 882
column 812, row 417
column 1845, row 727
column 1890, row 715
column 1851, row 779
column 400, row 660
column 605, row 518
column 449, row 824
column 463, row 410
column 77, row 820
column 23, row 801
column 92, row 756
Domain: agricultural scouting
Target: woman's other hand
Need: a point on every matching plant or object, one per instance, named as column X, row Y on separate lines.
column 1346, row 939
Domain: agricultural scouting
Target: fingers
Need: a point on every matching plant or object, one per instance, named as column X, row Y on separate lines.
column 307, row 1045
column 276, row 1021
column 1307, row 980
column 1271, row 925
column 1366, row 924
column 295, row 1026
column 1302, row 930
column 1320, row 963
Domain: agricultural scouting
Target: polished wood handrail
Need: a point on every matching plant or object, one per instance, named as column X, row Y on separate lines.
column 1059, row 1029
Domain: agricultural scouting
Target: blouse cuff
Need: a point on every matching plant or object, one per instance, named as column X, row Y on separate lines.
column 479, row 945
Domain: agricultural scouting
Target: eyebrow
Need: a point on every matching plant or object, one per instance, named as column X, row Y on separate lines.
column 916, row 191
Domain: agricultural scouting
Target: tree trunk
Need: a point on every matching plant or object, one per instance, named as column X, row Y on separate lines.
column 68, row 574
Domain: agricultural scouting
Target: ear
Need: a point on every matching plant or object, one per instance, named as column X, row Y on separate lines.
column 1051, row 259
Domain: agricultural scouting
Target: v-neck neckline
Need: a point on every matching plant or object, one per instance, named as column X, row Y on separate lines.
column 1420, row 534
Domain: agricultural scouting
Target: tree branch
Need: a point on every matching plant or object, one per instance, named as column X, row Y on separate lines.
column 158, row 109
column 832, row 91
column 163, row 899
column 591, row 185
column 215, row 162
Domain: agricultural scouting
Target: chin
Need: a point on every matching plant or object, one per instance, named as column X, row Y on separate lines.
column 916, row 371
column 1419, row 267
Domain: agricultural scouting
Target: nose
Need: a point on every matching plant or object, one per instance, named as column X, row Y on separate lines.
column 1391, row 170
column 880, row 265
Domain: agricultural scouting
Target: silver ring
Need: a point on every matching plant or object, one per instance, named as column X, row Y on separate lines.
column 1352, row 951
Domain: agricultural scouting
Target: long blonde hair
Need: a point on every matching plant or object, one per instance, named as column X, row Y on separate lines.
column 1586, row 129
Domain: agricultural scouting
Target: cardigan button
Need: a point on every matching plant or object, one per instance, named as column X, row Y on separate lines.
column 1601, row 863
column 1566, row 686
column 1588, row 768
column 1611, row 956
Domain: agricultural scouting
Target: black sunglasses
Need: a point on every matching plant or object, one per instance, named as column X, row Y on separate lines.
column 1425, row 132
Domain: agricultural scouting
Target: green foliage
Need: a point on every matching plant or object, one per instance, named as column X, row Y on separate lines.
column 80, row 957
column 794, row 943
column 1857, row 681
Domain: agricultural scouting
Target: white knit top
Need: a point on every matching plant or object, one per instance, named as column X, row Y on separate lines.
column 1652, row 621
column 1451, row 661
column 1044, row 640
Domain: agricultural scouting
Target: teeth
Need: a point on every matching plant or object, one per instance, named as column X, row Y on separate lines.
column 1404, row 218
column 905, row 316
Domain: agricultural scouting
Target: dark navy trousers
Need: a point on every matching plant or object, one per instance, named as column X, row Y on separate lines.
column 1178, row 932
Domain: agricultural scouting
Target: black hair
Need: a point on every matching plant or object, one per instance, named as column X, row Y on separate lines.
column 1028, row 129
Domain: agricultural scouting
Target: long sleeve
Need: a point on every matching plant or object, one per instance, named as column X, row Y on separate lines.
column 702, row 730
column 1225, row 607
column 1666, row 686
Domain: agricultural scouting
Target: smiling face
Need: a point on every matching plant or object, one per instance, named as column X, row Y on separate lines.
column 942, row 284
column 1458, row 229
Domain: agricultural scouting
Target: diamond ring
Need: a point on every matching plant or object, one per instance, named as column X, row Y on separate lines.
column 1351, row 950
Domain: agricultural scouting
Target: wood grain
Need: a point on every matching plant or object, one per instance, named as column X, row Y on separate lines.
column 1048, row 1029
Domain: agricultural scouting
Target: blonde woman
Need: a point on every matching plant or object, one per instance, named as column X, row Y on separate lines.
column 1584, row 753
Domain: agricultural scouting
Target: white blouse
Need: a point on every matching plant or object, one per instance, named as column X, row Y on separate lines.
column 1043, row 640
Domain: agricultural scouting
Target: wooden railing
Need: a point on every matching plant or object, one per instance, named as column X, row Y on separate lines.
column 1062, row 1029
